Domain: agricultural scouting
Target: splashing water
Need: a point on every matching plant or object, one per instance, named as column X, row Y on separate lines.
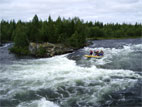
column 61, row 81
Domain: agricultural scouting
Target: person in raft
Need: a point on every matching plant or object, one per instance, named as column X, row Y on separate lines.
column 91, row 52
column 96, row 52
column 101, row 53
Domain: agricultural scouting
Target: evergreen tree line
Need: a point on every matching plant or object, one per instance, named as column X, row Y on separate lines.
column 99, row 30
column 71, row 32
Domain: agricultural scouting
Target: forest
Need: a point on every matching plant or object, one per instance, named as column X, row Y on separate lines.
column 70, row 32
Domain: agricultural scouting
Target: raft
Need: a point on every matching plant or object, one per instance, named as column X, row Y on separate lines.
column 92, row 56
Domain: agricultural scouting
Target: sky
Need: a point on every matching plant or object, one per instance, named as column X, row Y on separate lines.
column 106, row 11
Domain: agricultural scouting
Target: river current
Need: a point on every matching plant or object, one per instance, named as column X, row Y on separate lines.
column 71, row 80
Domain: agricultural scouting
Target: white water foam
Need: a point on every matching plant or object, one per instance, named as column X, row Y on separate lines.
column 38, row 103
column 113, row 52
column 53, row 72
column 5, row 45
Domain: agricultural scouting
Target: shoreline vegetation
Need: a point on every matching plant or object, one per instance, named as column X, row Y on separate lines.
column 60, row 36
column 114, row 38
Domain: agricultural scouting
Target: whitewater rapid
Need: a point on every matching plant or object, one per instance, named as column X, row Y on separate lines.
column 60, row 81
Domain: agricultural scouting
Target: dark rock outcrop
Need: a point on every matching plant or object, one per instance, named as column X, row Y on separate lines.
column 48, row 49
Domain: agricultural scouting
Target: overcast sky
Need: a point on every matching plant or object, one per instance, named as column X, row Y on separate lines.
column 107, row 11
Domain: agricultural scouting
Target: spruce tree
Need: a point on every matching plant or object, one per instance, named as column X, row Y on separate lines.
column 20, row 37
column 34, row 33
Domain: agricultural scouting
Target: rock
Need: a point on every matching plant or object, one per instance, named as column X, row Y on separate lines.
column 48, row 49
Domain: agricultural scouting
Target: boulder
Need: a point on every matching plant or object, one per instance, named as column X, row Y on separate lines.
column 48, row 49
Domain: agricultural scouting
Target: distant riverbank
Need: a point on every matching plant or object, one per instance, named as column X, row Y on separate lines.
column 99, row 38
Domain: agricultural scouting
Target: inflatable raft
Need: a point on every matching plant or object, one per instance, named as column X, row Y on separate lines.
column 92, row 56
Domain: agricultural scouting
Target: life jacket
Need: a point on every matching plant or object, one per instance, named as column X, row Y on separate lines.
column 101, row 53
column 91, row 52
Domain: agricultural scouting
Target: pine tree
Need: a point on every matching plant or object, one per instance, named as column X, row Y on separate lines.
column 20, row 38
column 34, row 33
column 44, row 32
column 51, row 31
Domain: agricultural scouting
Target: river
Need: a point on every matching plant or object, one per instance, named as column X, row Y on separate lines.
column 71, row 80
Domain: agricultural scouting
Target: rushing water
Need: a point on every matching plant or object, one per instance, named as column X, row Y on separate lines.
column 71, row 80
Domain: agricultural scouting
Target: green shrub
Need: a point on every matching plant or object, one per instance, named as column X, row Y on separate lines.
column 41, row 52
column 20, row 50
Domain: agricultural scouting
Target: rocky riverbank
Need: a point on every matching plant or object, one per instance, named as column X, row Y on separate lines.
column 48, row 49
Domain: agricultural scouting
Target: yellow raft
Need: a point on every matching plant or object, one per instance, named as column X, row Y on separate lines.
column 92, row 56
